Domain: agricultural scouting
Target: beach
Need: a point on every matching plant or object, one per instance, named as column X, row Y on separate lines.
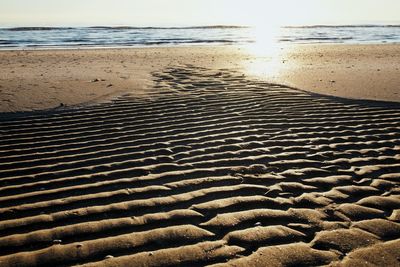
column 45, row 79
column 201, row 156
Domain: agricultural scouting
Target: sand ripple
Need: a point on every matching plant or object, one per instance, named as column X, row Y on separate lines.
column 212, row 169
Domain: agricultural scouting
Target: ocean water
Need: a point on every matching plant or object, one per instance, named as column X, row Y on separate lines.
column 73, row 37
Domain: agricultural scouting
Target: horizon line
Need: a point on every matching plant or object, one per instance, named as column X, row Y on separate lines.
column 126, row 26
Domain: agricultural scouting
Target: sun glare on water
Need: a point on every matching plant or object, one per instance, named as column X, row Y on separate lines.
column 265, row 25
column 266, row 19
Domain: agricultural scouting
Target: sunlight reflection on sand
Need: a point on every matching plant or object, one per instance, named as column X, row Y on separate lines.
column 266, row 55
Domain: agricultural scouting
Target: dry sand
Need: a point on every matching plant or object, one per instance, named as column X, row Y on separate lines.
column 350, row 71
column 36, row 80
column 196, row 166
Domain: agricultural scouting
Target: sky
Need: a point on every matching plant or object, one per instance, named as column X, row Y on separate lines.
column 196, row 12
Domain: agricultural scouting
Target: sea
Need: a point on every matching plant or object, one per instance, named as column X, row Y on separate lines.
column 102, row 36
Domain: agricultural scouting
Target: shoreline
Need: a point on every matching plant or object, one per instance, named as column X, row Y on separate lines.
column 45, row 78
column 73, row 48
column 188, row 45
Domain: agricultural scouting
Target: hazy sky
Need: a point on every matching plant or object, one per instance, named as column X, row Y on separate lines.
column 195, row 12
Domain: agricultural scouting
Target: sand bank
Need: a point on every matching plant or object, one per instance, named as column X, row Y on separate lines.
column 34, row 80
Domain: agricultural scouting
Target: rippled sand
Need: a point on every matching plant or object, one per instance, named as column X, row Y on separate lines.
column 209, row 168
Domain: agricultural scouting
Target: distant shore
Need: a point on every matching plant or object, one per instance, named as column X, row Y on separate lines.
column 45, row 79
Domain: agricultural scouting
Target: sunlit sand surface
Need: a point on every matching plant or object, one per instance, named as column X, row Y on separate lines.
column 210, row 168
column 350, row 71
column 36, row 80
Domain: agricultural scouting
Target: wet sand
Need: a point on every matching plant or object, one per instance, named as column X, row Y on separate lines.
column 201, row 166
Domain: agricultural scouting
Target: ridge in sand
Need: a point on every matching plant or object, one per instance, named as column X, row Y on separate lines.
column 211, row 168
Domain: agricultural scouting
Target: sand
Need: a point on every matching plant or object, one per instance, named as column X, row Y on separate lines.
column 202, row 164
column 37, row 80
column 350, row 71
